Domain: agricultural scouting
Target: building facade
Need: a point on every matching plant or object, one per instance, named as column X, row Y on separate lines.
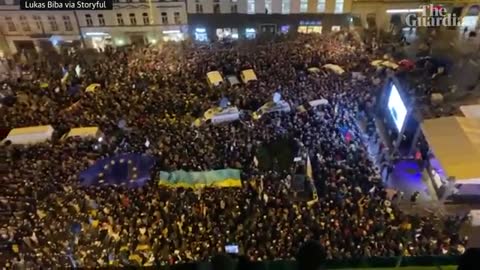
column 134, row 21
column 35, row 30
column 130, row 21
column 217, row 19
column 384, row 14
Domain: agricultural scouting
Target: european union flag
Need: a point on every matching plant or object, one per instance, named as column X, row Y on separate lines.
column 132, row 170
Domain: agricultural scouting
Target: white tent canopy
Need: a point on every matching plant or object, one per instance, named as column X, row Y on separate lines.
column 218, row 115
column 248, row 75
column 30, row 135
column 270, row 107
column 233, row 80
column 318, row 102
column 475, row 217
column 84, row 132
column 455, row 141
column 226, row 115
column 335, row 68
column 471, row 111
column 214, row 78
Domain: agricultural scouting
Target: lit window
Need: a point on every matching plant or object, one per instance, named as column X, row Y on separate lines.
column 10, row 24
column 24, row 23
column 284, row 29
column 303, row 6
column 199, row 8
column 321, row 5
column 146, row 19
column 88, row 19
column 53, row 23
column 268, row 6
column 67, row 23
column 251, row 6
column 339, row 6
column 285, row 6
column 133, row 19
column 120, row 19
column 101, row 20
column 234, row 33
column 38, row 22
column 250, row 33
column 164, row 18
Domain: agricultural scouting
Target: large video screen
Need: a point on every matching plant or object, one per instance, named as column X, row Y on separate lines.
column 397, row 108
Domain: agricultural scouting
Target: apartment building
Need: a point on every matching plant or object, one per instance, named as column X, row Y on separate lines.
column 35, row 30
column 217, row 19
column 130, row 21
column 134, row 21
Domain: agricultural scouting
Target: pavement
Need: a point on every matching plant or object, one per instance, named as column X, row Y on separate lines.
column 408, row 178
column 460, row 87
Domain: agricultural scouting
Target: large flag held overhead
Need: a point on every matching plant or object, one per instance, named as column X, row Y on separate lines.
column 218, row 178
column 309, row 174
column 309, row 171
column 218, row 115
column 270, row 107
column 132, row 170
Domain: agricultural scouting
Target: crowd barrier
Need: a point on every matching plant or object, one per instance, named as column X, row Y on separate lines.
column 375, row 262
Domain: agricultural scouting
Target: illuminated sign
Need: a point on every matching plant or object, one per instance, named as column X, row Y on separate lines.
column 93, row 34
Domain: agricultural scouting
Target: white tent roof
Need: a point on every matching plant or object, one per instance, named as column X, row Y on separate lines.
column 318, row 102
column 248, row 75
column 214, row 78
column 233, row 80
column 29, row 135
column 455, row 142
column 471, row 111
column 84, row 132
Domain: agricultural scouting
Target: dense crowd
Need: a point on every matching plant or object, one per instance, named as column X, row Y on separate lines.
column 157, row 93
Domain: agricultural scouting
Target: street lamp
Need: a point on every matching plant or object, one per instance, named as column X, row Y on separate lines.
column 79, row 29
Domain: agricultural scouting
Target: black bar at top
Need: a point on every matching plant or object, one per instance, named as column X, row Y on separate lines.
column 66, row 4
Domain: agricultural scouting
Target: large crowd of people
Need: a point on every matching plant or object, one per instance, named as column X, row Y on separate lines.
column 48, row 219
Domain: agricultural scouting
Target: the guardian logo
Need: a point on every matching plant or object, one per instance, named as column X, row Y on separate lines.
column 433, row 16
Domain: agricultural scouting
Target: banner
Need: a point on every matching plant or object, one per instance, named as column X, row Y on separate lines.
column 130, row 169
column 218, row 178
column 218, row 115
column 270, row 107
column 309, row 174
